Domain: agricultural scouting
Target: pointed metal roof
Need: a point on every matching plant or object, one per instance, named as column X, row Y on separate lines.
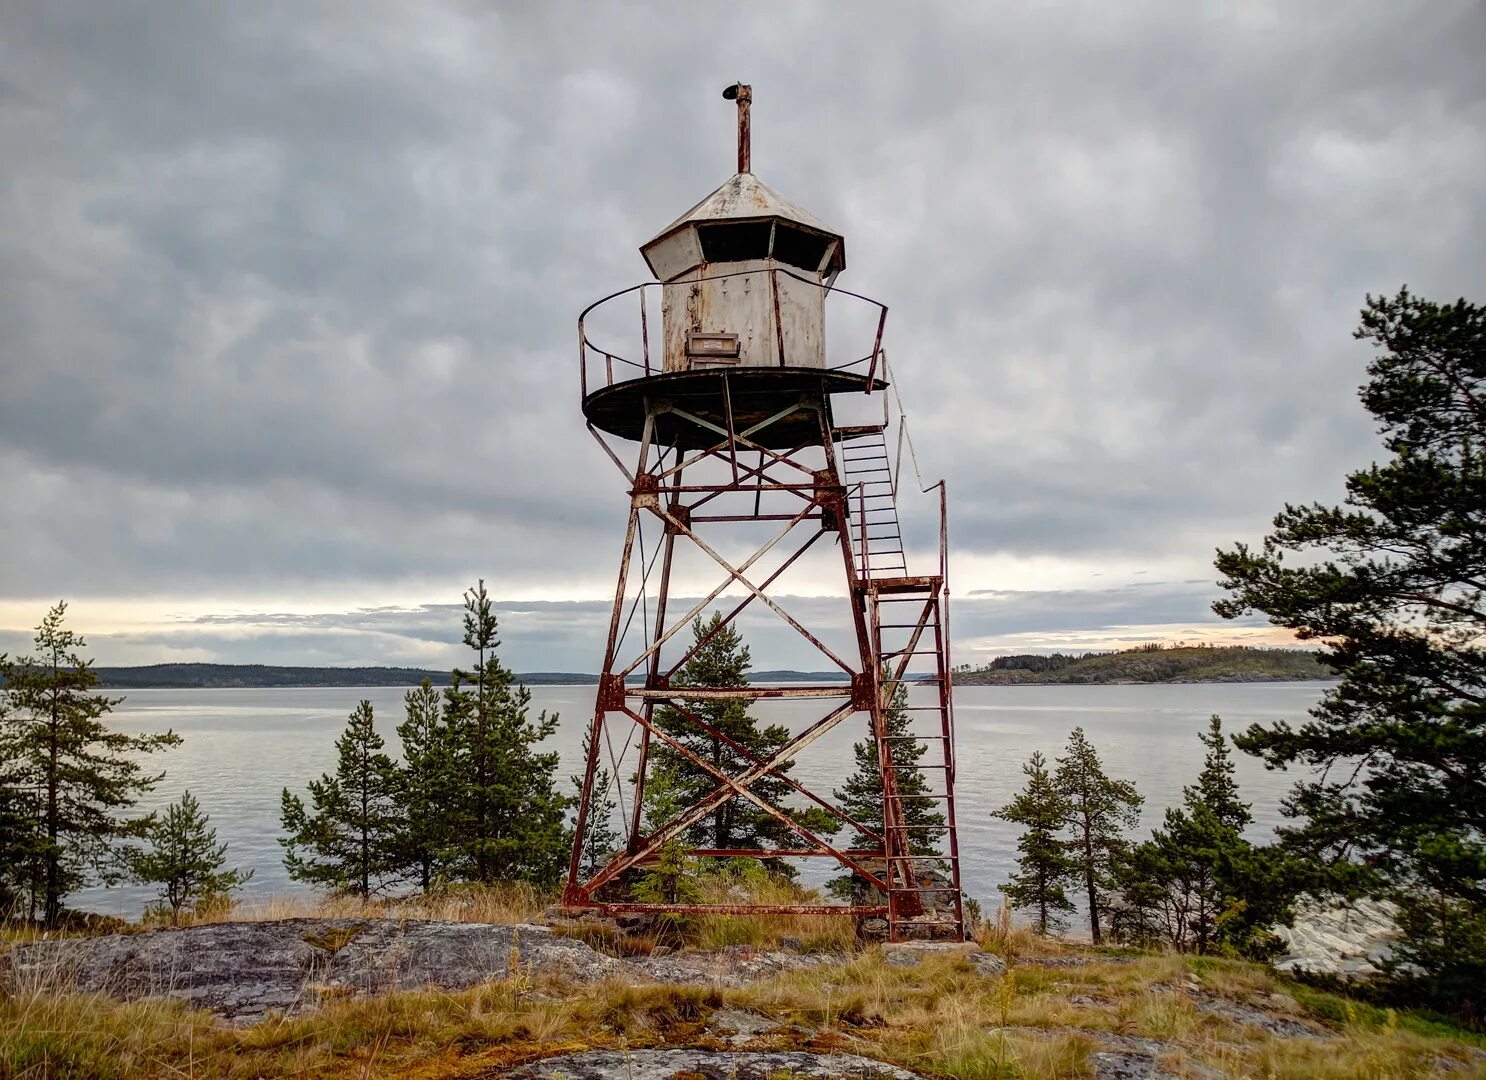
column 741, row 197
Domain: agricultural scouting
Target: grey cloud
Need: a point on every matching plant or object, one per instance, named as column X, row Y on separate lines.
column 558, row 636
column 290, row 293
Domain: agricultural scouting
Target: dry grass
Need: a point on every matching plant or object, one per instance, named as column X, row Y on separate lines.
column 501, row 905
column 939, row 1017
column 506, row 905
column 1002, row 935
column 806, row 933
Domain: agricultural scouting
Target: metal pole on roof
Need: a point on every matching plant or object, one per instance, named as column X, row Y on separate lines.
column 742, row 93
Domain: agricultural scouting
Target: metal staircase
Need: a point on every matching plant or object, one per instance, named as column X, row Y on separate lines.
column 908, row 617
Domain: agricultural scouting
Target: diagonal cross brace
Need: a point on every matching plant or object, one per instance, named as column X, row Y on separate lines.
column 732, row 785
column 716, row 733
column 736, row 574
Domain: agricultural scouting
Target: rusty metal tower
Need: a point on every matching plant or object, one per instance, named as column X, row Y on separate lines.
column 745, row 466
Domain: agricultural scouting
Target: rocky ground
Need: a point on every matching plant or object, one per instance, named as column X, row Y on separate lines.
column 1349, row 940
column 246, row 972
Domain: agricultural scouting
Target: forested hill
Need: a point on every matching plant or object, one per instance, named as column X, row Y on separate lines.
column 225, row 676
column 208, row 676
column 1153, row 664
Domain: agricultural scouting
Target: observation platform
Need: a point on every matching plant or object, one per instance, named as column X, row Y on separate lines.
column 731, row 399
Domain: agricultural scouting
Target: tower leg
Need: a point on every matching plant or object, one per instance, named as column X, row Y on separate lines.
column 722, row 490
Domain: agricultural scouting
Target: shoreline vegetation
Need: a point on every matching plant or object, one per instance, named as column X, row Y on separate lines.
column 268, row 676
column 1148, row 664
column 1145, row 664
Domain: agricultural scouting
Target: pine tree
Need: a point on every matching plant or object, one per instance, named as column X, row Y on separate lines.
column 722, row 660
column 1202, row 885
column 510, row 820
column 1044, row 866
column 671, row 877
column 1394, row 583
column 184, row 859
column 1100, row 810
column 22, row 843
column 82, row 776
column 425, row 786
column 861, row 794
column 348, row 842
column 1217, row 784
column 600, row 838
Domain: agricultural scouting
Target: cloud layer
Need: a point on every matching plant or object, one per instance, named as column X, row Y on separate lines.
column 290, row 292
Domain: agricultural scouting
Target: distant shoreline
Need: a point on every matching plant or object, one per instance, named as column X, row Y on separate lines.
column 1154, row 665
column 270, row 677
column 262, row 676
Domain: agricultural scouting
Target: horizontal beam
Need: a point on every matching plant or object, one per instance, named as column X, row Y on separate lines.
column 731, row 909
column 738, row 693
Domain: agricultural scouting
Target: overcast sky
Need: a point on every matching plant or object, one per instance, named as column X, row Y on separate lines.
column 288, row 298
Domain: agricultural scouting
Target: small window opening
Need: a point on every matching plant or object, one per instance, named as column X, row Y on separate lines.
column 800, row 249
column 734, row 241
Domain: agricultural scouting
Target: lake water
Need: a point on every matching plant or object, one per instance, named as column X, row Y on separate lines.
column 242, row 747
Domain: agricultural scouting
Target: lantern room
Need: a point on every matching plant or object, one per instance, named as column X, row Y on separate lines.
column 744, row 274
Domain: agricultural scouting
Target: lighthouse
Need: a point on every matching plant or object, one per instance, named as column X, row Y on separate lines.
column 722, row 415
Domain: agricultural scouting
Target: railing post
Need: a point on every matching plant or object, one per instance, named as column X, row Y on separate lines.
column 876, row 347
column 644, row 331
column 582, row 360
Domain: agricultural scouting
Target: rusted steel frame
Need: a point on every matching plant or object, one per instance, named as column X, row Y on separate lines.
column 715, row 593
column 758, row 491
column 715, row 448
column 778, row 853
column 898, row 464
column 716, row 733
column 743, row 94
column 778, row 321
column 690, row 816
column 582, row 360
column 946, row 721
column 645, row 333
column 946, row 681
column 894, row 842
column 609, row 649
column 876, row 350
column 743, row 909
column 726, row 489
column 747, row 517
column 618, row 614
column 739, row 693
column 737, row 575
column 662, row 598
column 738, row 610
column 848, row 557
column 571, row 891
column 765, row 483
column 584, row 344
column 727, row 409
column 907, row 653
column 743, row 790
column 833, row 289
column 612, row 456
column 639, row 597
column 743, row 437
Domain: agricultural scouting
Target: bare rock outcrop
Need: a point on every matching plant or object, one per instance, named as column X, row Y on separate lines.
column 709, row 1064
column 243, row 971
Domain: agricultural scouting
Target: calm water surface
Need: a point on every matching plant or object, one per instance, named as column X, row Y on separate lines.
column 242, row 747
